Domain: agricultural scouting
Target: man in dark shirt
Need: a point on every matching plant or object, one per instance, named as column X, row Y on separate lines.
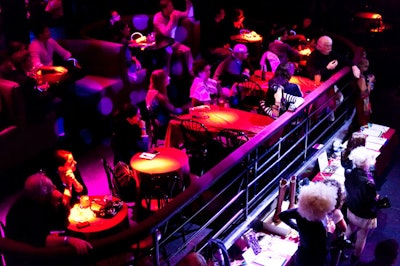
column 326, row 62
column 234, row 68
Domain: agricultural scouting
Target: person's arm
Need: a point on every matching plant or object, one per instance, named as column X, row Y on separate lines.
column 81, row 246
column 165, row 29
column 65, row 54
column 294, row 101
column 34, row 50
column 288, row 216
column 164, row 101
column 270, row 111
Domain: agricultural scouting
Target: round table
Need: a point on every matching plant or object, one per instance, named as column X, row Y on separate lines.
column 168, row 160
column 100, row 227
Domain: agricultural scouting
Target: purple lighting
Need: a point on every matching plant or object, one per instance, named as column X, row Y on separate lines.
column 105, row 106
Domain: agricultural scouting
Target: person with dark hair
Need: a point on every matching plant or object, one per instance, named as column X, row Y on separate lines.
column 67, row 177
column 39, row 210
column 386, row 252
column 43, row 47
column 120, row 33
column 365, row 85
column 202, row 86
column 315, row 202
column 282, row 75
column 284, row 51
column 361, row 200
column 129, row 134
column 277, row 101
column 357, row 139
column 216, row 37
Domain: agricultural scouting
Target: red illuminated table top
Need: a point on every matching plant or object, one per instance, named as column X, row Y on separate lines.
column 216, row 119
column 97, row 224
column 53, row 74
column 306, row 84
column 168, row 160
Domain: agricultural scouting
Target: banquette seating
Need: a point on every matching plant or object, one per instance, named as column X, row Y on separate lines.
column 188, row 31
column 20, row 139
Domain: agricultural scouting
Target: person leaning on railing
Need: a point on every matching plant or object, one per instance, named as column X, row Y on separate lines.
column 277, row 102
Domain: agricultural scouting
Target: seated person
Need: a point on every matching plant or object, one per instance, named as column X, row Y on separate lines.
column 129, row 134
column 42, row 48
column 284, row 51
column 165, row 24
column 39, row 210
column 67, row 177
column 236, row 23
column 385, row 254
column 283, row 74
column 234, row 68
column 38, row 102
column 121, row 33
column 277, row 102
column 326, row 62
column 202, row 86
column 157, row 101
column 215, row 35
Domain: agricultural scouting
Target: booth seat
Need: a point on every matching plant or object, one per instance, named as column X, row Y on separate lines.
column 21, row 140
column 188, row 31
column 106, row 75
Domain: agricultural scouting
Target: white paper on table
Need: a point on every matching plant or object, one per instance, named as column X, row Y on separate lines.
column 379, row 127
column 373, row 146
column 372, row 132
column 147, row 156
column 376, row 140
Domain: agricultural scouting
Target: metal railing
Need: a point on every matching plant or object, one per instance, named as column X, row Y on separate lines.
column 232, row 194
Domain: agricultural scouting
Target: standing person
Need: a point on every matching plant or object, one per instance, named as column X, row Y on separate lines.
column 365, row 85
column 326, row 62
column 67, row 177
column 42, row 48
column 315, row 202
column 39, row 210
column 129, row 134
column 165, row 24
column 158, row 103
column 202, row 86
column 361, row 200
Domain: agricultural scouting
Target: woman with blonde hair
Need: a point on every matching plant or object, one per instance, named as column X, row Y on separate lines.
column 315, row 201
column 361, row 200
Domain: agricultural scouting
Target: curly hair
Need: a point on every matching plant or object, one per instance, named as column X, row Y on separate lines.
column 361, row 158
column 316, row 200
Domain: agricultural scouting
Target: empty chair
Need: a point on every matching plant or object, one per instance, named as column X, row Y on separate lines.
column 250, row 94
column 197, row 140
column 229, row 140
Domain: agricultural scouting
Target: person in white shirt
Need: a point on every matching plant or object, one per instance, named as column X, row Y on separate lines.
column 202, row 87
column 42, row 48
column 165, row 24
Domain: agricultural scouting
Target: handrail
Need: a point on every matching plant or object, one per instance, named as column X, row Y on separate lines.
column 258, row 165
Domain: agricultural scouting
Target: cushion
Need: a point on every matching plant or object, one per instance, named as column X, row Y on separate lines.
column 90, row 85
